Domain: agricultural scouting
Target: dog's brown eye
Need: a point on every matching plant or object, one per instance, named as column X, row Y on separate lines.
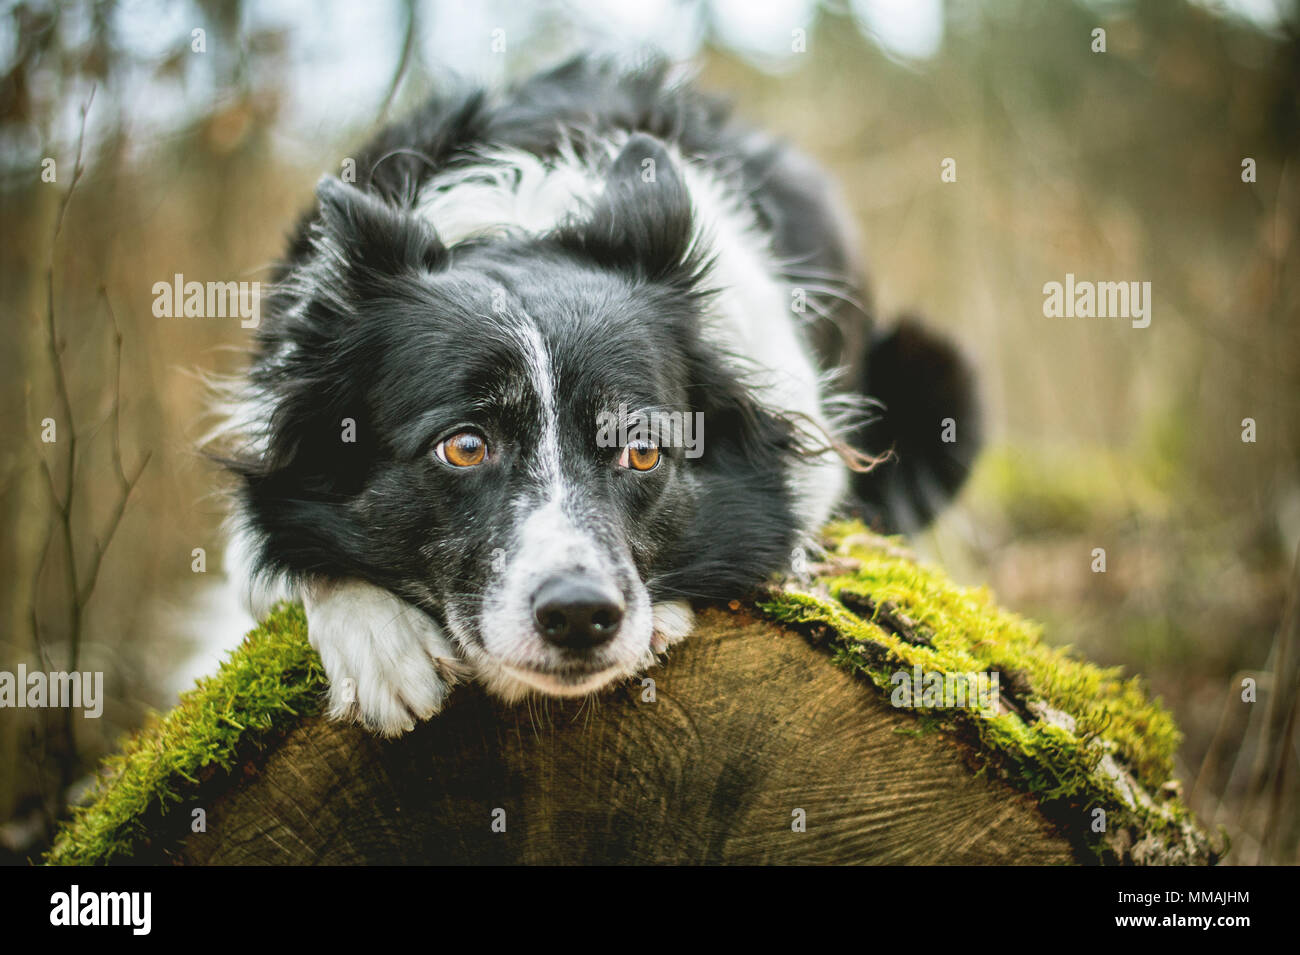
column 639, row 456
column 462, row 450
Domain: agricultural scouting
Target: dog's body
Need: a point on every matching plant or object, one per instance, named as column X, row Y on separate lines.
column 422, row 460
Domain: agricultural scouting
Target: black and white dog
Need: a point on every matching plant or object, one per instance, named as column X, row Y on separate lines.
column 557, row 363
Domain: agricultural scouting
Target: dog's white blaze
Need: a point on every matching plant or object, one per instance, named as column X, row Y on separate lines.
column 549, row 542
column 542, row 377
column 513, row 190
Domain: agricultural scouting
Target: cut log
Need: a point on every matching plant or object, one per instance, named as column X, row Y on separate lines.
column 772, row 735
column 748, row 728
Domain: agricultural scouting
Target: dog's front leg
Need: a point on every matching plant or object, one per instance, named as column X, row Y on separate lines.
column 389, row 664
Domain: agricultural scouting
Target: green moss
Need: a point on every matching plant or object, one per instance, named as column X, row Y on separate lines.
column 1075, row 736
column 274, row 674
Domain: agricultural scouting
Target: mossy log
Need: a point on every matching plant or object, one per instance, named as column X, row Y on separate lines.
column 770, row 736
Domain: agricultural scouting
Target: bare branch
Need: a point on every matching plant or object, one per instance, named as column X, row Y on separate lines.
column 116, row 411
column 126, row 485
column 404, row 61
column 92, row 571
column 64, row 501
column 36, row 583
column 77, row 167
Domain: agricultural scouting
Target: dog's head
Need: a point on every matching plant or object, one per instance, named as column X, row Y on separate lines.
column 527, row 436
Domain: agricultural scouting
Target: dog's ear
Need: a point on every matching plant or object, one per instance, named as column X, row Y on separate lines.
column 373, row 237
column 642, row 221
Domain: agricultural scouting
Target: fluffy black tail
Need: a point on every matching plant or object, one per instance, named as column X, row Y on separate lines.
column 928, row 419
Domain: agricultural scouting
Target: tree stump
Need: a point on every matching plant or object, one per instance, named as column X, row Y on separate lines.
column 770, row 736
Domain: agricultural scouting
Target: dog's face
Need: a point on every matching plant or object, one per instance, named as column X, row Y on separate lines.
column 500, row 500
column 441, row 426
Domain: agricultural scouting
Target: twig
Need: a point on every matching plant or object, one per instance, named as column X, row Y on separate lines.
column 36, row 579
column 125, row 484
column 64, row 747
column 1279, row 724
column 1212, row 761
column 77, row 167
column 408, row 47
column 79, row 581
column 1272, row 847
column 63, row 503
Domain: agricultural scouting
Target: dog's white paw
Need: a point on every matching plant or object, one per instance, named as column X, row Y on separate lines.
column 389, row 665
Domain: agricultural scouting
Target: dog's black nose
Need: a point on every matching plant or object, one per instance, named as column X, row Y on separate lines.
column 576, row 612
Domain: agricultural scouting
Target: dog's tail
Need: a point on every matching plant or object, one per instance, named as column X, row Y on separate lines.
column 927, row 418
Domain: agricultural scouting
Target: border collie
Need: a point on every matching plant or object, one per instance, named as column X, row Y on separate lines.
column 558, row 362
